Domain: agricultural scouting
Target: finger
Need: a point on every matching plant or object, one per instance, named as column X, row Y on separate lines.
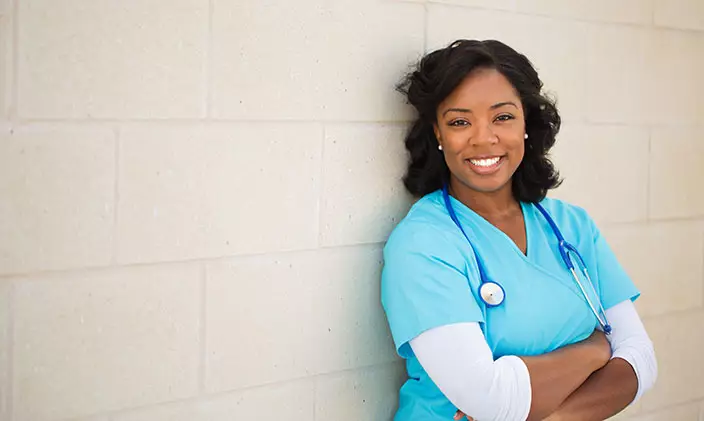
column 458, row 415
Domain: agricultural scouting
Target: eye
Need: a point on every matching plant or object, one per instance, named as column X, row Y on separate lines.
column 458, row 123
column 505, row 117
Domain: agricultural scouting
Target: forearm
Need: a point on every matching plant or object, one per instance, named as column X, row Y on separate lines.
column 556, row 375
column 605, row 393
column 459, row 361
column 630, row 373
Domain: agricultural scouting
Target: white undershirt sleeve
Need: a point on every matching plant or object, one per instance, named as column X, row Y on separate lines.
column 458, row 360
column 630, row 341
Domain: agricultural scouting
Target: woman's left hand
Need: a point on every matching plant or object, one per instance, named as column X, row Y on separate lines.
column 460, row 415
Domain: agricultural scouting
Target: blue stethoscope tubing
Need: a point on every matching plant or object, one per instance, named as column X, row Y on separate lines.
column 493, row 294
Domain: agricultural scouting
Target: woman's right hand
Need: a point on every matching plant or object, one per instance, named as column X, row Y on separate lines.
column 601, row 347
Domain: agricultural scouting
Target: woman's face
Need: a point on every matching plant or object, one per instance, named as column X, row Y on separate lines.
column 481, row 129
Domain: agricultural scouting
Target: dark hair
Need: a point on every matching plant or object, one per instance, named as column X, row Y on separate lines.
column 438, row 74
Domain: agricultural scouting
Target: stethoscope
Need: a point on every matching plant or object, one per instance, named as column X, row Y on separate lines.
column 493, row 294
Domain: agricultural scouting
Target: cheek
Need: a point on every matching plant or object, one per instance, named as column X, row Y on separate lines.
column 514, row 141
column 516, row 148
column 519, row 151
column 454, row 141
column 519, row 146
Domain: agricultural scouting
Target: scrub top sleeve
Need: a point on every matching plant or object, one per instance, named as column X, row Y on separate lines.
column 615, row 285
column 424, row 284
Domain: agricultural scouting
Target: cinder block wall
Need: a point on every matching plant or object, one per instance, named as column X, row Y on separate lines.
column 194, row 193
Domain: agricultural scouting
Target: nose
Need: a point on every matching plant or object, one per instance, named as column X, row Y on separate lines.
column 484, row 134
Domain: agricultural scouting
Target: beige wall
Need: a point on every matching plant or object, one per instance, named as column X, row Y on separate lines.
column 194, row 193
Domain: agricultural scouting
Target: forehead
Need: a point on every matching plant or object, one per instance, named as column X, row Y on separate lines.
column 482, row 87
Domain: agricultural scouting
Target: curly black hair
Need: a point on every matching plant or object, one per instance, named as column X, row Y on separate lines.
column 438, row 74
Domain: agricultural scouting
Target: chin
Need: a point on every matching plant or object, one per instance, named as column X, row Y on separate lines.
column 487, row 188
column 493, row 183
column 487, row 185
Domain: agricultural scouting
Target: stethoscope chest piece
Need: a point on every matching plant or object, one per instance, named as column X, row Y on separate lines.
column 491, row 293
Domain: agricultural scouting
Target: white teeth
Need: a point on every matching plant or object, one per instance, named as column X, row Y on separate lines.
column 485, row 162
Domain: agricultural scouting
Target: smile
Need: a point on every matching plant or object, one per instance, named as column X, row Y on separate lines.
column 486, row 165
column 485, row 162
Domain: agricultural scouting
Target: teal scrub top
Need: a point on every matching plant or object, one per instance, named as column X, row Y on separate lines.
column 430, row 278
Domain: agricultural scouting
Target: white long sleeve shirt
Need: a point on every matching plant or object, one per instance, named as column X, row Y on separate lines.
column 459, row 361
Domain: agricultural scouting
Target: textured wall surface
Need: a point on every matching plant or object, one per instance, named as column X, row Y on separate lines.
column 194, row 194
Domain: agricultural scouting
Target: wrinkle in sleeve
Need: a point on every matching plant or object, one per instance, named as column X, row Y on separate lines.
column 425, row 284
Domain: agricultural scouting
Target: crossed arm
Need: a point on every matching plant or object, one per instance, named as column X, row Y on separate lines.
column 605, row 393
column 631, row 370
column 583, row 381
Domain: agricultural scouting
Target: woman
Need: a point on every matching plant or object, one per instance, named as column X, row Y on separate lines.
column 480, row 300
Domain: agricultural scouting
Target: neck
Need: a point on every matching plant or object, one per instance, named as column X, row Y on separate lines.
column 496, row 204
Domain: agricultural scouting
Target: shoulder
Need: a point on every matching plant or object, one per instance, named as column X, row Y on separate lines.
column 424, row 230
column 568, row 216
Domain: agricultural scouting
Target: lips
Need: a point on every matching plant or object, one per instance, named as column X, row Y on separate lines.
column 486, row 165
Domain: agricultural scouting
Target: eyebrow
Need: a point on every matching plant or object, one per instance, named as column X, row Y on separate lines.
column 467, row 110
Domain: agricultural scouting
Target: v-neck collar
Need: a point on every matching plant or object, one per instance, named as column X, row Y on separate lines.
column 525, row 209
column 533, row 255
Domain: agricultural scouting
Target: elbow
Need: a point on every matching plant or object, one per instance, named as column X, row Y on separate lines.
column 483, row 406
column 651, row 366
column 482, row 403
column 646, row 367
column 503, row 395
column 641, row 356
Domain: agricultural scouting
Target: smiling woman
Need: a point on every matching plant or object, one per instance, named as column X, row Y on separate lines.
column 486, row 282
